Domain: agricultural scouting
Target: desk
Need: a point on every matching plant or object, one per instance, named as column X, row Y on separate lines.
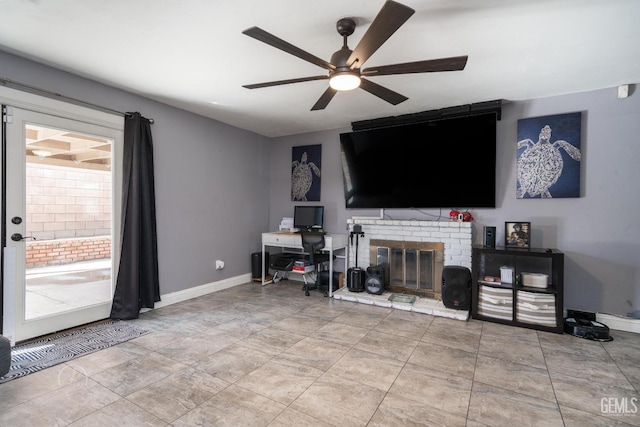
column 286, row 239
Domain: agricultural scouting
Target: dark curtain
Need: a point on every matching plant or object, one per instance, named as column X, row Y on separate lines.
column 137, row 285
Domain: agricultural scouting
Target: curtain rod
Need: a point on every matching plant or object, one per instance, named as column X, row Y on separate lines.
column 6, row 81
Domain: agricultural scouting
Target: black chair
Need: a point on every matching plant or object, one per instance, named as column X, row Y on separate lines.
column 313, row 243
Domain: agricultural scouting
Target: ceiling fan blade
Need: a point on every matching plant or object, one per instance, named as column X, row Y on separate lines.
column 455, row 63
column 324, row 99
column 284, row 82
column 389, row 19
column 271, row 40
column 382, row 92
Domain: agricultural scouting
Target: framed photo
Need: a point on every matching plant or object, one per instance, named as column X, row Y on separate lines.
column 516, row 234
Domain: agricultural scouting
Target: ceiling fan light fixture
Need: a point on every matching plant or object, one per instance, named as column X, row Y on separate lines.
column 344, row 81
column 345, row 65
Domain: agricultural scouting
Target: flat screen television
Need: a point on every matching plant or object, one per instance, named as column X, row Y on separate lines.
column 444, row 163
column 308, row 217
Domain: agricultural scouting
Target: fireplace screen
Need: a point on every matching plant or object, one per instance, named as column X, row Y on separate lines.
column 410, row 267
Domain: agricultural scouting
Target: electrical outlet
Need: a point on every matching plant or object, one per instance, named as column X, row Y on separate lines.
column 219, row 265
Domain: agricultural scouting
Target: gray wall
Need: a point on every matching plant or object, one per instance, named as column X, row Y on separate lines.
column 215, row 194
column 598, row 232
column 212, row 186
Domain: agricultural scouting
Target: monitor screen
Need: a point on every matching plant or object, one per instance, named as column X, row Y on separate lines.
column 308, row 217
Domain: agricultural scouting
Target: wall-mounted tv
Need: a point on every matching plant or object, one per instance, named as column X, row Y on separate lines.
column 444, row 163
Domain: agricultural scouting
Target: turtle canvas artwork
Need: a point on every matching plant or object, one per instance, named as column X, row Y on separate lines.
column 548, row 159
column 306, row 164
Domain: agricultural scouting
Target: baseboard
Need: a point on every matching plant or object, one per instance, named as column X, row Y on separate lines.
column 198, row 291
column 619, row 323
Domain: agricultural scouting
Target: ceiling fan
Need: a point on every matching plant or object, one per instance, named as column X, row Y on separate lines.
column 345, row 68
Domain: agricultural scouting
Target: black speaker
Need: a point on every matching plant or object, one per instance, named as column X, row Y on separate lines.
column 256, row 265
column 355, row 279
column 456, row 287
column 489, row 238
column 323, row 281
column 374, row 282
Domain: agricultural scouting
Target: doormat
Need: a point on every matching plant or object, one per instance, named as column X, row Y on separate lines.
column 65, row 346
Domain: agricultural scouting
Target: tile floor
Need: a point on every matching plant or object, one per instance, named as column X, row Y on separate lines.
column 269, row 356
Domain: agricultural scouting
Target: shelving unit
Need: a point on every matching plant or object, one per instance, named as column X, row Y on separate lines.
column 509, row 301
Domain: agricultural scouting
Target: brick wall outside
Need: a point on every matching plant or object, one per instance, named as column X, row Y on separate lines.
column 68, row 213
column 66, row 251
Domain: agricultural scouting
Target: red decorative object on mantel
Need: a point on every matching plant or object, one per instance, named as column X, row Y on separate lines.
column 458, row 216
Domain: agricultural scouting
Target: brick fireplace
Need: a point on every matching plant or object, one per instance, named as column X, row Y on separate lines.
column 456, row 237
column 434, row 244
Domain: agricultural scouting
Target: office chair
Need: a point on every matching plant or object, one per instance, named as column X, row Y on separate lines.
column 313, row 243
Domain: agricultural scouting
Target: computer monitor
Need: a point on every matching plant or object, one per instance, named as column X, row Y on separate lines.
column 308, row 217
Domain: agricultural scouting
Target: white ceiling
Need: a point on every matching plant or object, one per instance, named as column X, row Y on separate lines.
column 192, row 54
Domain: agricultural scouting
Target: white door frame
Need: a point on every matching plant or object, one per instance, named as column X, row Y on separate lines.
column 12, row 268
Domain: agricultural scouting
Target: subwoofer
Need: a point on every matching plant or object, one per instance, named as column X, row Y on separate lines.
column 323, row 281
column 456, row 287
column 374, row 282
column 256, row 266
